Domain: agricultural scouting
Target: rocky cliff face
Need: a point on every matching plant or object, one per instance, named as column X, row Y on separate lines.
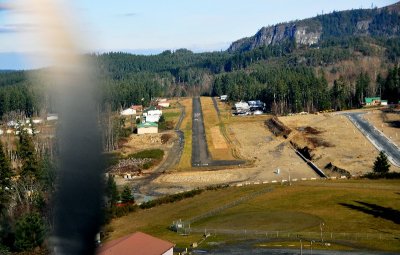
column 374, row 22
column 277, row 34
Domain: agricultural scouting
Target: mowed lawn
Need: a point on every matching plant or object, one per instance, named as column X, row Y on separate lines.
column 353, row 206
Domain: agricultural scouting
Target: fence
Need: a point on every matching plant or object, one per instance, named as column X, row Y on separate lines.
column 183, row 227
column 317, row 236
column 224, row 207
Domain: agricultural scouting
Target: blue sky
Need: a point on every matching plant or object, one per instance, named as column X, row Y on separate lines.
column 150, row 26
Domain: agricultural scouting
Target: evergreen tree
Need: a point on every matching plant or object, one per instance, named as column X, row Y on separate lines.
column 27, row 154
column 30, row 232
column 112, row 191
column 5, row 180
column 126, row 195
column 381, row 165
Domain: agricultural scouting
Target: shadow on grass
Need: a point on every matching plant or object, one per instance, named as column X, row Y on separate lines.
column 375, row 210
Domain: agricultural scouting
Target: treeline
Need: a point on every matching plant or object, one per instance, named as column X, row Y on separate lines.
column 283, row 89
column 127, row 79
column 294, row 89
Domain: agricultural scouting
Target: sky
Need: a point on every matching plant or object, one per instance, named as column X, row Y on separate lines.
column 151, row 26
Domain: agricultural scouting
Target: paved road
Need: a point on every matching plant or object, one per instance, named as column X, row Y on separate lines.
column 380, row 141
column 142, row 188
column 200, row 154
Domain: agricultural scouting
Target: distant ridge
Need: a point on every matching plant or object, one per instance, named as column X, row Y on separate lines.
column 367, row 22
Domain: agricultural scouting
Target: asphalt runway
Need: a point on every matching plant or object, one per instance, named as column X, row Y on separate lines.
column 380, row 141
column 200, row 153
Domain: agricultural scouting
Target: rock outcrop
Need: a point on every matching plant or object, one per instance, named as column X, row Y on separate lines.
column 278, row 34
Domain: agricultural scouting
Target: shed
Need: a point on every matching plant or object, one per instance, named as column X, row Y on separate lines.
column 128, row 112
column 147, row 128
column 137, row 244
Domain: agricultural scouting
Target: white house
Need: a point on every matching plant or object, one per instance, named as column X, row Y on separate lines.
column 152, row 118
column 128, row 112
column 223, row 97
column 152, row 112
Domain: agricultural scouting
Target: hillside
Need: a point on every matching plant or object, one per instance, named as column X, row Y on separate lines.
column 330, row 61
column 314, row 31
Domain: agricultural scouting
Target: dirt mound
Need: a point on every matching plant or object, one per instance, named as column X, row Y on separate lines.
column 277, row 127
column 309, row 130
column 337, row 170
column 318, row 142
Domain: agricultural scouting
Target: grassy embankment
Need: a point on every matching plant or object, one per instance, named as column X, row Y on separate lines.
column 185, row 162
column 355, row 207
column 218, row 146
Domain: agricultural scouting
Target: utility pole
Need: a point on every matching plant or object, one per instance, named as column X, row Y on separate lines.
column 301, row 247
column 321, row 224
column 311, row 242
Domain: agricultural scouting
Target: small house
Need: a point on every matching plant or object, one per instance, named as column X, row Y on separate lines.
column 152, row 111
column 384, row 102
column 372, row 101
column 128, row 112
column 147, row 128
column 223, row 97
column 137, row 108
column 163, row 104
column 137, row 244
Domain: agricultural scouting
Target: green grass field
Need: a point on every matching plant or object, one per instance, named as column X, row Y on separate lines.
column 356, row 207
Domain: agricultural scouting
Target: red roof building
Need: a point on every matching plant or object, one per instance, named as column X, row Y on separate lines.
column 137, row 244
column 137, row 108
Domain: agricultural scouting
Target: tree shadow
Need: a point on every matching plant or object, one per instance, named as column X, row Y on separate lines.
column 377, row 211
column 395, row 123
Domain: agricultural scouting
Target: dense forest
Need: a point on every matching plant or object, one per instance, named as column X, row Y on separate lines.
column 288, row 76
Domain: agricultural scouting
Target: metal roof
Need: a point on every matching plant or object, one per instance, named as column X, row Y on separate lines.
column 147, row 125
